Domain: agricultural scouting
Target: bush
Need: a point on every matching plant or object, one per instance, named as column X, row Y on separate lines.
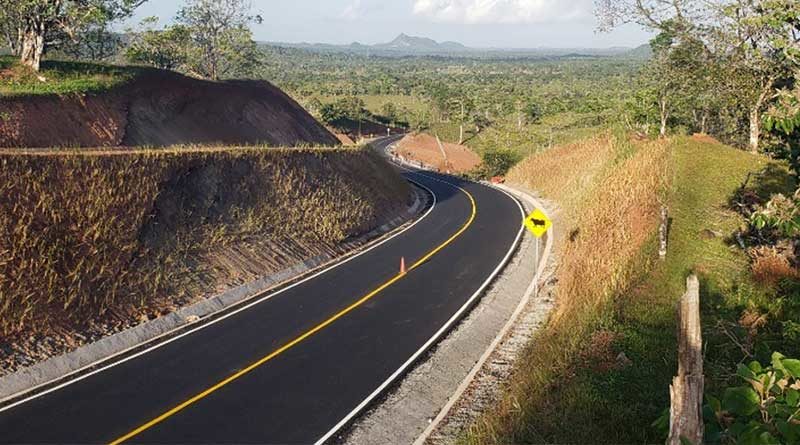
column 497, row 162
column 780, row 215
column 765, row 410
column 770, row 268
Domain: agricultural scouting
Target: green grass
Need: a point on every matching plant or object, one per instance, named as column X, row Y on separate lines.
column 575, row 400
column 375, row 103
column 61, row 77
column 551, row 131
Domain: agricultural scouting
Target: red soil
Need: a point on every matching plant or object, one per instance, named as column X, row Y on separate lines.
column 424, row 148
column 161, row 108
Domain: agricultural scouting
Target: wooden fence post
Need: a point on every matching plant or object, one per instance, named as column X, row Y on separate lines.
column 686, row 391
column 663, row 233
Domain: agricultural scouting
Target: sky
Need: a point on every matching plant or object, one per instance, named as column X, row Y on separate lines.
column 475, row 23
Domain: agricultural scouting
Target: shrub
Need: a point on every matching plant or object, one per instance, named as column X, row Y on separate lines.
column 780, row 215
column 764, row 410
column 770, row 268
column 498, row 161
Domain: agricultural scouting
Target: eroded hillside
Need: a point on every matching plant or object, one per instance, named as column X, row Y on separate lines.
column 160, row 108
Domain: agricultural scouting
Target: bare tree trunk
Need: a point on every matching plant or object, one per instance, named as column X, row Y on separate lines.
column 704, row 122
column 13, row 38
column 461, row 134
column 664, row 116
column 755, row 129
column 686, row 391
column 33, row 45
column 755, row 115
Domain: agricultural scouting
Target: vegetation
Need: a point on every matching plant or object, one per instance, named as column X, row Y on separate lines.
column 603, row 356
column 90, row 235
column 519, row 104
column 211, row 39
column 30, row 27
column 718, row 65
column 764, row 410
column 63, row 77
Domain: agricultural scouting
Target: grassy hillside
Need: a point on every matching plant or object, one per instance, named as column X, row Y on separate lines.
column 601, row 370
column 110, row 237
column 61, row 77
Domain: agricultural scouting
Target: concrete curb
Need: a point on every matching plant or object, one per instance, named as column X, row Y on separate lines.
column 462, row 388
column 28, row 380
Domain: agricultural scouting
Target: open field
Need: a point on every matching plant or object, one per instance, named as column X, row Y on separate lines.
column 600, row 373
column 551, row 131
column 113, row 238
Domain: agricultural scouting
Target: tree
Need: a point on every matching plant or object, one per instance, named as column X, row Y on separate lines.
column 389, row 112
column 753, row 41
column 32, row 26
column 165, row 49
column 221, row 42
column 532, row 112
column 96, row 43
column 461, row 108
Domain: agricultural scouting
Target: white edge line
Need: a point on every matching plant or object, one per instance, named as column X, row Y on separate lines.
column 257, row 300
column 437, row 336
column 500, row 336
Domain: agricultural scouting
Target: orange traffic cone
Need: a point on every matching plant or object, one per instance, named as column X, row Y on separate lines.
column 402, row 265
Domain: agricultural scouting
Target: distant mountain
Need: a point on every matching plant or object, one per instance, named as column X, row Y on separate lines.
column 640, row 52
column 404, row 42
column 406, row 45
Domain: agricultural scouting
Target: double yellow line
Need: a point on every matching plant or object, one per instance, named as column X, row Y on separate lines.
column 171, row 412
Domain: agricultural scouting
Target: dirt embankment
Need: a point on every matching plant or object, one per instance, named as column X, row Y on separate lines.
column 161, row 108
column 424, row 148
column 91, row 243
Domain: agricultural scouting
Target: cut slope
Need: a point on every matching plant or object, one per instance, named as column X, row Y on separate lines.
column 98, row 239
column 160, row 108
column 424, row 148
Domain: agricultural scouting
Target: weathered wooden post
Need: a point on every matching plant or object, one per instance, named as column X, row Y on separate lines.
column 686, row 391
column 663, row 233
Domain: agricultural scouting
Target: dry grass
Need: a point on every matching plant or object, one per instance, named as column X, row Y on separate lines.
column 85, row 235
column 600, row 371
column 609, row 193
column 565, row 174
column 770, row 268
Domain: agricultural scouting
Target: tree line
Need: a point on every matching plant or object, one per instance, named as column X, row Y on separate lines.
column 209, row 38
column 725, row 67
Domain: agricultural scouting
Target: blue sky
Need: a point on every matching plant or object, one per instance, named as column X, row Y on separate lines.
column 477, row 23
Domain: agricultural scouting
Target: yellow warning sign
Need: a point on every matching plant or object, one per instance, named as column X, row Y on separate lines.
column 538, row 223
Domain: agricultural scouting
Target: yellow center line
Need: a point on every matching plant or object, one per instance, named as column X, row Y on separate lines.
column 307, row 334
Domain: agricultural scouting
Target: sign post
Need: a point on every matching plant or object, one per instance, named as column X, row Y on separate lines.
column 538, row 223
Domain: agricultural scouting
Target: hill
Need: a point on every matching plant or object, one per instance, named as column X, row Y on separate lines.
column 609, row 351
column 101, row 106
column 404, row 42
column 405, row 45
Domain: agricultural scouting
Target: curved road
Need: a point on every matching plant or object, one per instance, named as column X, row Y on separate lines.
column 294, row 367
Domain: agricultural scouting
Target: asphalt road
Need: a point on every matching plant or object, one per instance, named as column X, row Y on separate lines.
column 291, row 368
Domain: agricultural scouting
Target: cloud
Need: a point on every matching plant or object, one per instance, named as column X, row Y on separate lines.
column 502, row 11
column 353, row 11
column 360, row 9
